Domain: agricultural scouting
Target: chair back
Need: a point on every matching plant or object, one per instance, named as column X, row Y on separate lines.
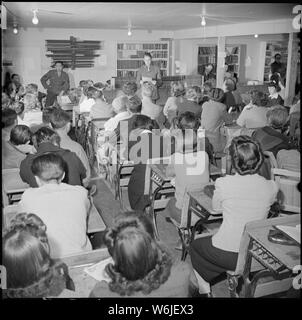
column 12, row 185
column 288, row 195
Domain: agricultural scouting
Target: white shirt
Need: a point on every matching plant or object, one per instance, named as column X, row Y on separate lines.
column 242, row 199
column 112, row 123
column 63, row 208
column 31, row 118
column 253, row 117
column 86, row 104
column 150, row 109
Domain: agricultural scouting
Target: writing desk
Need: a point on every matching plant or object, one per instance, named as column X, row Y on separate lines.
column 277, row 260
column 76, row 264
column 161, row 184
column 12, row 185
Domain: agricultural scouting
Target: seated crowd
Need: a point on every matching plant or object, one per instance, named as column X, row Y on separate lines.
column 52, row 215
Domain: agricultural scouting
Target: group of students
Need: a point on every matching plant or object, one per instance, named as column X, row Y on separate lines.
column 57, row 204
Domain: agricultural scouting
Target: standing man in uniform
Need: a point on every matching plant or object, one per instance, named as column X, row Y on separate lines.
column 56, row 82
column 149, row 72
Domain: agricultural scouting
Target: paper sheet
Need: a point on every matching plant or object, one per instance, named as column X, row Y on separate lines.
column 293, row 232
column 97, row 271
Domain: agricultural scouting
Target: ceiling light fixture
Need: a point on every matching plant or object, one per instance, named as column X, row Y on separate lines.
column 15, row 28
column 256, row 35
column 129, row 32
column 129, row 28
column 203, row 21
column 35, row 19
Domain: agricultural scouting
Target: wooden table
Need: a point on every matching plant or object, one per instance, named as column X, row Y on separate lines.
column 12, row 185
column 277, row 260
column 161, row 183
column 76, row 264
column 200, row 205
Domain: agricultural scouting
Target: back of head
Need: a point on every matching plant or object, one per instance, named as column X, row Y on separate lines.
column 277, row 117
column 177, row 89
column 30, row 101
column 258, row 98
column 147, row 89
column 119, row 104
column 143, row 122
column 207, row 86
column 134, row 104
column 26, row 256
column 49, row 166
column 46, row 114
column 46, row 134
column 134, row 252
column 187, row 120
column 32, row 88
column 216, row 94
column 130, row 88
column 20, row 134
column 230, row 85
column 94, row 92
column 9, row 117
column 246, row 155
column 18, row 106
column 137, row 219
column 59, row 119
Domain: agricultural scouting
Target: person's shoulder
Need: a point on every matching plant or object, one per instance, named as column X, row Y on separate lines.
column 74, row 188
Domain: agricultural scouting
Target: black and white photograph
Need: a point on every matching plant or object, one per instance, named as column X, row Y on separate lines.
column 151, row 150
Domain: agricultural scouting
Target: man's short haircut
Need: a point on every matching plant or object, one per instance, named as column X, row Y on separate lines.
column 187, row 120
column 82, row 83
column 130, row 88
column 277, row 117
column 119, row 104
column 46, row 113
column 143, row 122
column 147, row 54
column 59, row 119
column 276, row 55
column 18, row 106
column 230, row 85
column 48, row 167
column 46, row 134
column 61, row 62
column 258, row 98
column 33, row 86
column 20, row 134
column 134, row 104
column 14, row 75
column 9, row 116
column 246, row 155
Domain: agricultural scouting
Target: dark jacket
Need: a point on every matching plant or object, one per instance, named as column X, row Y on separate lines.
column 75, row 171
column 188, row 105
column 57, row 84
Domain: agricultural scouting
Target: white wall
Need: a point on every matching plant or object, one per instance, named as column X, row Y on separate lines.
column 27, row 50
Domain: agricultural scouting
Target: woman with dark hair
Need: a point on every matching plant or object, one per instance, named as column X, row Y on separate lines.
column 143, row 145
column 242, row 197
column 229, row 86
column 274, row 97
column 149, row 72
column 141, row 266
column 31, row 273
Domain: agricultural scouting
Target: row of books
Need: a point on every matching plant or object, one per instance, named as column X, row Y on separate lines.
column 136, row 64
column 207, row 50
column 140, row 54
column 142, row 46
column 133, row 73
column 231, row 59
column 206, row 60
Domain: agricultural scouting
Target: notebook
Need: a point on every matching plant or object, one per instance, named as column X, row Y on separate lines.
column 293, row 232
column 97, row 271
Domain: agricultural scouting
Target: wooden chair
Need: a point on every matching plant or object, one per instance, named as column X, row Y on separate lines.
column 289, row 195
column 12, row 186
column 248, row 278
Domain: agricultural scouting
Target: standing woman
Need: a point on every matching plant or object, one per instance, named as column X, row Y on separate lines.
column 56, row 82
column 151, row 71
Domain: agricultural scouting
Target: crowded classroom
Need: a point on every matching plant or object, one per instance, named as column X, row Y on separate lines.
column 150, row 150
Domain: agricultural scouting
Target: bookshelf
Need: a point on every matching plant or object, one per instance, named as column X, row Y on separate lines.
column 270, row 51
column 232, row 59
column 206, row 55
column 130, row 57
